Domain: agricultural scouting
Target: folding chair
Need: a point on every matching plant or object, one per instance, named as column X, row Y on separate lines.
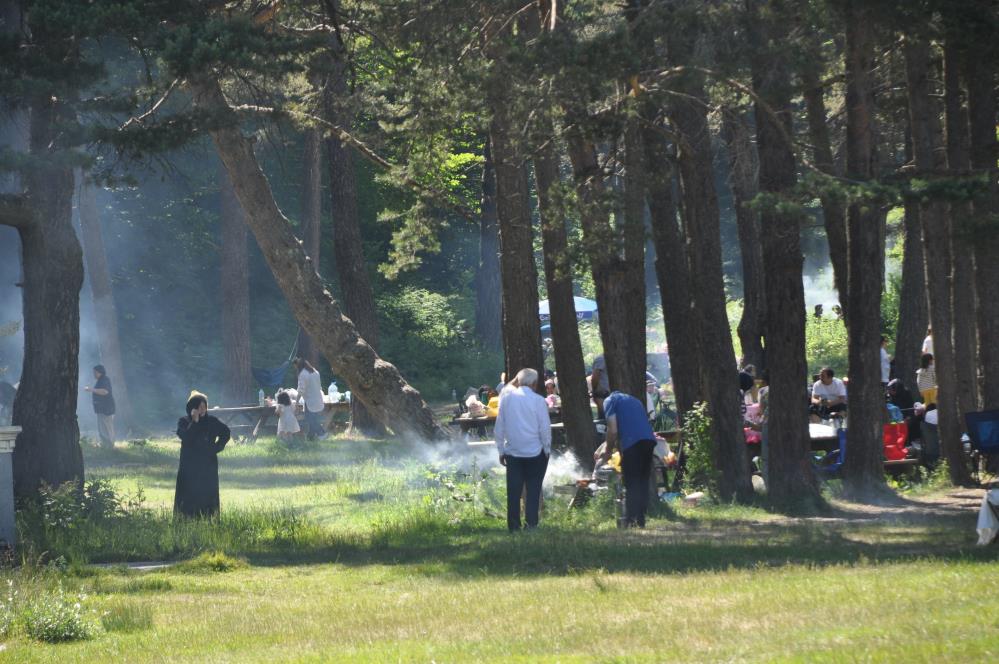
column 983, row 431
column 831, row 464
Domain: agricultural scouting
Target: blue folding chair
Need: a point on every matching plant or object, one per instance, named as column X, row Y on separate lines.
column 831, row 464
column 983, row 431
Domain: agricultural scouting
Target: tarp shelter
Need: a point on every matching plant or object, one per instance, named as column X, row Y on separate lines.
column 585, row 309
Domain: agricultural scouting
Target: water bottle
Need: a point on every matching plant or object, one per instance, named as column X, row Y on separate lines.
column 334, row 393
column 260, row 397
column 346, row 396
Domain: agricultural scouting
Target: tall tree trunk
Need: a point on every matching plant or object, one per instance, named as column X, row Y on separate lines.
column 237, row 376
column 833, row 209
column 612, row 277
column 518, row 272
column 48, row 447
column 743, row 181
column 926, row 144
column 863, row 470
column 791, row 480
column 982, row 69
column 312, row 216
column 912, row 309
column 672, row 270
column 104, row 309
column 374, row 381
column 348, row 247
column 633, row 233
column 688, row 110
column 963, row 254
column 576, row 414
column 488, row 312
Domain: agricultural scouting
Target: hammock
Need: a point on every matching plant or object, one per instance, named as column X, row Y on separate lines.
column 271, row 378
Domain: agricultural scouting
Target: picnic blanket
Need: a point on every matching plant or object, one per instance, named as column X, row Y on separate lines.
column 988, row 517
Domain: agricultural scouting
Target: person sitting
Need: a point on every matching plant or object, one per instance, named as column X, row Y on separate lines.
column 900, row 397
column 551, row 395
column 828, row 396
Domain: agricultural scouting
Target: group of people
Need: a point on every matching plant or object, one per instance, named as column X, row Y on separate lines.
column 523, row 441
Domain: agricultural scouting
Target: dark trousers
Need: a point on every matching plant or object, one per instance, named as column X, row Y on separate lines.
column 636, row 466
column 314, row 424
column 521, row 472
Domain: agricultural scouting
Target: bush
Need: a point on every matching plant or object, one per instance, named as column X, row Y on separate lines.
column 213, row 561
column 56, row 617
column 826, row 345
column 702, row 473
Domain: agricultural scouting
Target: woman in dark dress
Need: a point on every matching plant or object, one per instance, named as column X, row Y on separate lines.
column 202, row 437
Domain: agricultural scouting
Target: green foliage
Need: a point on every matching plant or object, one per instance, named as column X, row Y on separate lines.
column 826, row 345
column 702, row 473
column 213, row 561
column 54, row 617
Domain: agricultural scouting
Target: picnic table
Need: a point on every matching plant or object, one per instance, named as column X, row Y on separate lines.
column 252, row 421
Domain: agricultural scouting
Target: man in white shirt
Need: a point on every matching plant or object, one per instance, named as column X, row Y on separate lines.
column 310, row 388
column 928, row 341
column 828, row 396
column 524, row 441
column 885, row 363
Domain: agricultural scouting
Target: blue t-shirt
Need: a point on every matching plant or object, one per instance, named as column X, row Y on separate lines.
column 632, row 420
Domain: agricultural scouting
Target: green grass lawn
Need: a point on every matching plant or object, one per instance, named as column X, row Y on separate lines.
column 357, row 551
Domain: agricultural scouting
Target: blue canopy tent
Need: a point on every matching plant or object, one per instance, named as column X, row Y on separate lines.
column 585, row 309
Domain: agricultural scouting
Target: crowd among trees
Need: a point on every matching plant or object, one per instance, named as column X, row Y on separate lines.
column 582, row 140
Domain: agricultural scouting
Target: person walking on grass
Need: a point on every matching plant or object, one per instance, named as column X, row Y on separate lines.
column 524, row 441
column 628, row 428
column 103, row 406
column 310, row 389
column 202, row 437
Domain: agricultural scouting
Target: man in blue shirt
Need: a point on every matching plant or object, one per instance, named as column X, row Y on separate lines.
column 628, row 428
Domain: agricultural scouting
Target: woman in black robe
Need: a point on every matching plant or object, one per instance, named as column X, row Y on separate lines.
column 202, row 437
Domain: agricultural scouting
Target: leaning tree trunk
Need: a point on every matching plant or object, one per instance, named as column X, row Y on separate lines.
column 518, row 272
column 48, row 448
column 833, row 209
column 311, row 223
column 963, row 254
column 104, row 309
column 576, row 414
column 926, row 145
column 673, row 273
column 982, row 69
column 743, row 179
column 688, row 110
column 374, row 381
column 863, row 470
column 348, row 248
column 912, row 309
column 488, row 312
column 791, row 483
column 237, row 375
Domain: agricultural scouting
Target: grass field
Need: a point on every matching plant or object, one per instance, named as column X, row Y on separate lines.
column 357, row 551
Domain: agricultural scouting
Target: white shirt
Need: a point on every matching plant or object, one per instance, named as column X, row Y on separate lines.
column 311, row 390
column 523, row 428
column 836, row 388
column 928, row 344
column 885, row 366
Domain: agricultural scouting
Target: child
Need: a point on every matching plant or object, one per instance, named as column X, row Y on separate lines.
column 287, row 422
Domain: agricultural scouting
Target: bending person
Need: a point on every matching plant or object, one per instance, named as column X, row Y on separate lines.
column 202, row 437
column 524, row 441
column 629, row 428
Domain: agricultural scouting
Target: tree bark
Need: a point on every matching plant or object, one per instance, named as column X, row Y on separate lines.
column 374, row 381
column 927, row 144
column 981, row 64
column 963, row 254
column 237, row 376
column 791, row 483
column 833, row 209
column 673, row 272
column 518, row 272
column 863, row 470
column 348, row 247
column 488, row 312
column 633, row 234
column 743, row 181
column 576, row 414
column 104, row 308
column 48, row 448
column 913, row 315
column 311, row 224
column 688, row 110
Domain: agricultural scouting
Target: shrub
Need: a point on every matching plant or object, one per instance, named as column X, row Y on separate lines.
column 213, row 561
column 702, row 473
column 55, row 617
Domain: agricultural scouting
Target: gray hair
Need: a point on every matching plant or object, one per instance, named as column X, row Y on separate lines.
column 527, row 378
